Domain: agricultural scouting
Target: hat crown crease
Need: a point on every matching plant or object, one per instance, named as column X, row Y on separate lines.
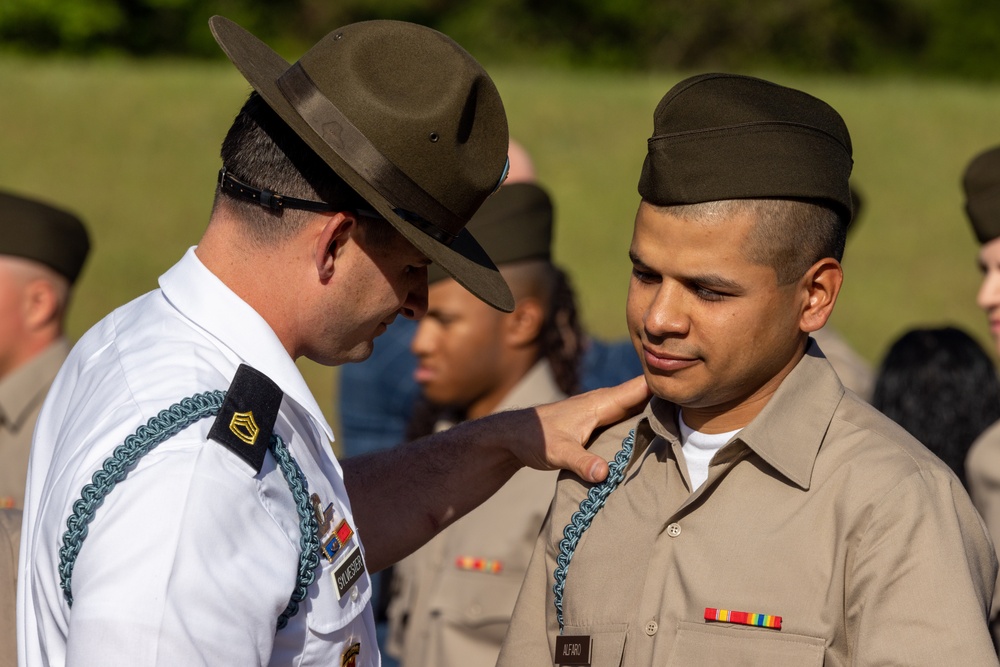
column 330, row 123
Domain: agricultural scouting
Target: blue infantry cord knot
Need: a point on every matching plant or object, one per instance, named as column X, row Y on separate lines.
column 164, row 425
column 582, row 518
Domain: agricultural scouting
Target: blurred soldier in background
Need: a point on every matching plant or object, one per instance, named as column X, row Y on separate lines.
column 452, row 599
column 42, row 250
column 981, row 184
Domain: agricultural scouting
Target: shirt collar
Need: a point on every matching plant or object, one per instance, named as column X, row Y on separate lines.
column 204, row 299
column 537, row 386
column 19, row 391
column 790, row 429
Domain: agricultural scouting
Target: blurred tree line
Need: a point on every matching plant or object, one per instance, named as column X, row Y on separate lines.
column 935, row 37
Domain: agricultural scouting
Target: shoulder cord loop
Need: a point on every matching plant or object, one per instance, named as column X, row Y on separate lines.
column 164, row 425
column 582, row 518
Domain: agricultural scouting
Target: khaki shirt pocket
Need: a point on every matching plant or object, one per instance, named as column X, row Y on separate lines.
column 733, row 645
column 478, row 601
column 607, row 643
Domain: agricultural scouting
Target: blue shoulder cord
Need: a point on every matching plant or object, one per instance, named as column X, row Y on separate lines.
column 581, row 519
column 167, row 423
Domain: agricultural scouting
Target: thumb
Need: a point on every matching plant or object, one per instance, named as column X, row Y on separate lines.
column 621, row 401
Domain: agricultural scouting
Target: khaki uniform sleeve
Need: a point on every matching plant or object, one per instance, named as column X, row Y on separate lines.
column 918, row 592
column 982, row 471
column 527, row 639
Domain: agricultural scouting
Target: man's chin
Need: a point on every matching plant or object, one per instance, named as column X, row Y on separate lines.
column 670, row 388
column 355, row 355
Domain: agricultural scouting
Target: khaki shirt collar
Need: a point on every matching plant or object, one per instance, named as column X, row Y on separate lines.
column 536, row 387
column 790, row 429
column 25, row 387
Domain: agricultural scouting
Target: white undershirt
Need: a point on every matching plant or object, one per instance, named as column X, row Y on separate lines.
column 699, row 448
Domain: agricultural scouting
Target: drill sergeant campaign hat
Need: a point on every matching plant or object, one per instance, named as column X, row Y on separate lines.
column 407, row 118
column 513, row 225
column 724, row 136
column 981, row 183
column 37, row 231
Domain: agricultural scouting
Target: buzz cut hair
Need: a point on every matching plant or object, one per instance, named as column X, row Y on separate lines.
column 789, row 235
column 262, row 150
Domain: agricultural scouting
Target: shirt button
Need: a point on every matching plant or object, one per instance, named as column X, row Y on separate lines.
column 354, row 594
column 651, row 628
column 674, row 529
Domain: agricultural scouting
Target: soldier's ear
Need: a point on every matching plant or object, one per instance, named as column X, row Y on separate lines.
column 819, row 289
column 41, row 304
column 524, row 325
column 334, row 233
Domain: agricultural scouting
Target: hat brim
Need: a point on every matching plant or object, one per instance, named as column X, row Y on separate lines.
column 464, row 259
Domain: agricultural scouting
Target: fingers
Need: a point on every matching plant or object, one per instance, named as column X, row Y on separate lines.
column 616, row 403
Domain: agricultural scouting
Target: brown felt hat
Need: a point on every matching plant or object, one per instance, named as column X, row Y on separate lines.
column 43, row 233
column 514, row 225
column 724, row 136
column 981, row 183
column 407, row 118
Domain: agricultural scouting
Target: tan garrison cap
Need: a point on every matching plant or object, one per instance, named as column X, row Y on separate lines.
column 724, row 136
column 43, row 233
column 514, row 225
column 981, row 183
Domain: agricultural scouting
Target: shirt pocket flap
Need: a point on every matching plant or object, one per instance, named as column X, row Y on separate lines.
column 720, row 644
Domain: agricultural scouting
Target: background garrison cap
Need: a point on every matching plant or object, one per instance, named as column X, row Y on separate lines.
column 981, row 183
column 407, row 118
column 725, row 136
column 43, row 233
column 513, row 225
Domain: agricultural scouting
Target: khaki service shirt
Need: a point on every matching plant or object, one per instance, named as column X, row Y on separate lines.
column 10, row 538
column 852, row 369
column 21, row 396
column 982, row 473
column 448, row 610
column 821, row 511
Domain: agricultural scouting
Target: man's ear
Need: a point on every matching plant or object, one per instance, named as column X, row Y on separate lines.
column 335, row 231
column 821, row 285
column 524, row 325
column 41, row 304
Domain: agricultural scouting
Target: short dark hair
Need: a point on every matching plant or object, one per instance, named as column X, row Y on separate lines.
column 560, row 339
column 790, row 235
column 262, row 150
column 941, row 386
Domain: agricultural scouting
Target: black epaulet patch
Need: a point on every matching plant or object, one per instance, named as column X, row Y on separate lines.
column 246, row 418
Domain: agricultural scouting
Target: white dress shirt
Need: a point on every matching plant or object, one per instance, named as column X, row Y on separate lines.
column 191, row 559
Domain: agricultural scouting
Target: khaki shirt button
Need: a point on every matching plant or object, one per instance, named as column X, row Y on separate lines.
column 674, row 529
column 474, row 611
column 651, row 628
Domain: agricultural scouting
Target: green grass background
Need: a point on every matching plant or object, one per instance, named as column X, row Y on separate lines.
column 133, row 148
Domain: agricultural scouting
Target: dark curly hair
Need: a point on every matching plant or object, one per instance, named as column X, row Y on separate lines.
column 941, row 386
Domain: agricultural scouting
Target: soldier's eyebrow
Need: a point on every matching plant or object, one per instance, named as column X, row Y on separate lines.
column 709, row 280
column 636, row 261
column 715, row 281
